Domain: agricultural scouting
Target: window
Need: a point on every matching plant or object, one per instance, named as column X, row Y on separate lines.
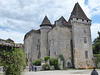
column 55, row 53
column 38, row 40
column 87, row 20
column 85, row 40
column 71, row 18
column 37, row 47
column 49, row 52
column 69, row 64
column 86, row 54
column 84, row 31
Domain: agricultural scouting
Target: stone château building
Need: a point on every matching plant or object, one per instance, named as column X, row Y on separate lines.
column 72, row 39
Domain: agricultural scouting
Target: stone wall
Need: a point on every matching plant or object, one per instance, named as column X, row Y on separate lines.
column 44, row 41
column 32, row 47
column 82, row 45
column 59, row 39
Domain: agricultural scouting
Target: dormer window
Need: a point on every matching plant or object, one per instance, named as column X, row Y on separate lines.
column 82, row 20
column 77, row 18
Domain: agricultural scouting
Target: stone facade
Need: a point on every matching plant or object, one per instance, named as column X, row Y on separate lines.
column 72, row 39
column 32, row 45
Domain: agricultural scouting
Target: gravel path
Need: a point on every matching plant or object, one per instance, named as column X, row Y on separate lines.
column 61, row 72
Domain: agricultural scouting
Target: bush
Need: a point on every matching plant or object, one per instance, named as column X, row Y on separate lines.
column 54, row 62
column 0, row 63
column 62, row 59
column 46, row 67
column 37, row 62
column 96, row 59
column 46, row 58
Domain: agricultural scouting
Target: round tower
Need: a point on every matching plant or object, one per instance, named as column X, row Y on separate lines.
column 44, row 28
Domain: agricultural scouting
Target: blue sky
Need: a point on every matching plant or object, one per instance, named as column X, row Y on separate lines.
column 17, row 17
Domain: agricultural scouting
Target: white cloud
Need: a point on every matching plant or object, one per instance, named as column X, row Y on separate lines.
column 20, row 16
column 94, row 30
column 94, row 6
column 16, row 36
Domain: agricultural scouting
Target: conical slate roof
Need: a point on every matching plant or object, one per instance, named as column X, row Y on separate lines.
column 78, row 12
column 46, row 20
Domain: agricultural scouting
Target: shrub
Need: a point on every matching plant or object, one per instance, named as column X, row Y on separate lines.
column 46, row 58
column 54, row 62
column 62, row 59
column 96, row 59
column 37, row 62
column 46, row 67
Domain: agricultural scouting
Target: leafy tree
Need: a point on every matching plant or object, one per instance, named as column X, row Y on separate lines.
column 13, row 60
column 96, row 45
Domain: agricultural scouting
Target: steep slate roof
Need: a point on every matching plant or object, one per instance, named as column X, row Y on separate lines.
column 64, row 22
column 78, row 12
column 45, row 22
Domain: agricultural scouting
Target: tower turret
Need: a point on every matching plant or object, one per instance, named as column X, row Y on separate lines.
column 44, row 28
column 81, row 38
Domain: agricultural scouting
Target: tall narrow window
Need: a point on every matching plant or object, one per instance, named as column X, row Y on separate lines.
column 85, row 40
column 38, row 40
column 86, row 54
column 84, row 31
column 49, row 53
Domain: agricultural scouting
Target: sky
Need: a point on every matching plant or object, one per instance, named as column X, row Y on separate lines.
column 17, row 17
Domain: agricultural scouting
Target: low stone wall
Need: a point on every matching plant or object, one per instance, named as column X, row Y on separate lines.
column 1, row 68
column 39, row 68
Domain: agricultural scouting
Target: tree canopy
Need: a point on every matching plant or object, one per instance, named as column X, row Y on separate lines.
column 96, row 45
column 13, row 60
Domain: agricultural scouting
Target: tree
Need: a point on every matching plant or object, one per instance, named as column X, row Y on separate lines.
column 13, row 60
column 96, row 45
